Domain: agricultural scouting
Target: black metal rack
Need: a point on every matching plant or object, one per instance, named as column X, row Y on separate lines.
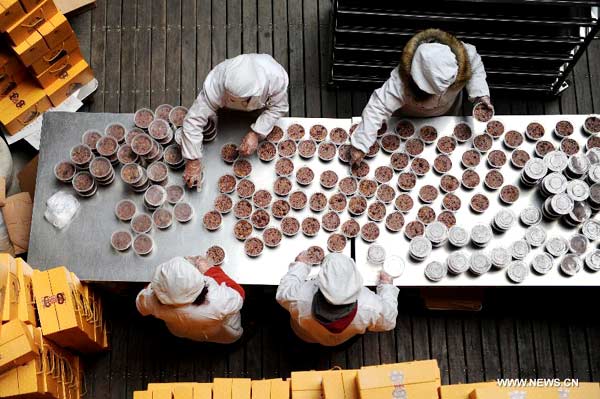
column 526, row 45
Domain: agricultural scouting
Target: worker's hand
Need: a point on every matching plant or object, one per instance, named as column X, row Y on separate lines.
column 303, row 257
column 200, row 262
column 356, row 156
column 486, row 101
column 192, row 175
column 249, row 144
column 385, row 278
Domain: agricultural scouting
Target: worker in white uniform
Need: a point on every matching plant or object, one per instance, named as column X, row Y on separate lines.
column 196, row 301
column 335, row 306
column 434, row 68
column 247, row 82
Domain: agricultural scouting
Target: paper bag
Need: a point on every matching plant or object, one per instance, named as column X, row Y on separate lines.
column 17, row 216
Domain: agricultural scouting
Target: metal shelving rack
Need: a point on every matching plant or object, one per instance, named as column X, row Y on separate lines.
column 526, row 45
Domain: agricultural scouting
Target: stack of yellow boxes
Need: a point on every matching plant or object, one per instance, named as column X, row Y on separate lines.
column 220, row 388
column 33, row 363
column 584, row 390
column 40, row 61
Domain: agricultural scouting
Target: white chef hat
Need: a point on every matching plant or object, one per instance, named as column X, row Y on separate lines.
column 177, row 282
column 339, row 280
column 243, row 78
column 434, row 68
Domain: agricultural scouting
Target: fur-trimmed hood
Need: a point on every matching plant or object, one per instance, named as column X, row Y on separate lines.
column 436, row 36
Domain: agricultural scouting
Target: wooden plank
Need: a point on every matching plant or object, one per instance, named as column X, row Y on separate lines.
column 234, row 28
column 490, row 350
column 112, row 74
column 328, row 94
column 387, row 347
column 473, row 348
column 254, row 313
column 265, row 26
column 280, row 33
column 593, row 337
column 219, row 31
column 203, row 41
column 249, row 26
column 118, row 359
column 311, row 58
column 274, row 319
column 173, row 53
column 559, row 333
column 579, row 350
column 158, row 53
column 439, row 346
column 98, row 53
column 508, row 349
column 593, row 53
column 568, row 99
column 543, row 348
column 296, row 56
column 135, row 355
column 527, row 366
column 143, row 53
column 420, row 332
column 354, row 353
column 404, row 337
column 127, row 57
column 82, row 26
column 371, row 349
column 581, row 75
column 188, row 52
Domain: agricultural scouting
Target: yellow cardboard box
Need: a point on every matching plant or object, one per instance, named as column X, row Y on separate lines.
column 16, row 345
column 241, row 388
column 261, row 389
column 59, row 69
column 56, row 30
column 585, row 390
column 183, row 390
column 462, row 391
column 142, row 395
column 22, row 105
column 9, row 288
column 10, row 12
column 341, row 385
column 69, row 81
column 55, row 54
column 30, row 5
column 68, row 369
column 308, row 384
column 420, row 379
column 280, row 389
column 26, row 301
column 20, row 30
column 31, row 49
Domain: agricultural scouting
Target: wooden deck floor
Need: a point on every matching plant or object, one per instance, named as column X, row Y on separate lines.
column 148, row 52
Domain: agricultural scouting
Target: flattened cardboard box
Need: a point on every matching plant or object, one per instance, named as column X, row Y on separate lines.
column 17, row 216
column 585, row 390
column 420, row 379
column 462, row 391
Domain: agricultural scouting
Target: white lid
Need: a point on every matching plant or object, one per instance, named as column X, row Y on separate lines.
column 562, row 204
column 517, row 271
column 531, row 215
column 435, row 271
column 556, row 161
column 458, row 236
column 592, row 260
column 557, row 246
column 555, row 183
column 593, row 155
column 479, row 263
column 457, row 262
column 591, row 229
column 376, row 254
column 542, row 263
column 579, row 163
column 481, row 234
column 500, row 257
column 578, row 190
column 535, row 168
column 571, row 264
column 535, row 235
column 420, row 247
column 594, row 172
column 394, row 266
column 504, row 219
column 578, row 244
column 436, row 232
column 519, row 249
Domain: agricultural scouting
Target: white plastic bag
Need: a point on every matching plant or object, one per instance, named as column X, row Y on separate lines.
column 60, row 209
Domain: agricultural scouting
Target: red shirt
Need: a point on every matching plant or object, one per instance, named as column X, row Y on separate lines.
column 220, row 277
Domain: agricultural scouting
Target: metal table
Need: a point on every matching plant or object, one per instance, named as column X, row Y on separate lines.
column 397, row 243
column 84, row 245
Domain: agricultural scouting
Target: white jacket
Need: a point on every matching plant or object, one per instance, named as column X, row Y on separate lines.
column 376, row 312
column 218, row 319
column 393, row 96
column 268, row 75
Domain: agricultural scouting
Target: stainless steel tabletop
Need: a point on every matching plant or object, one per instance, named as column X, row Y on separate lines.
column 397, row 243
column 84, row 245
